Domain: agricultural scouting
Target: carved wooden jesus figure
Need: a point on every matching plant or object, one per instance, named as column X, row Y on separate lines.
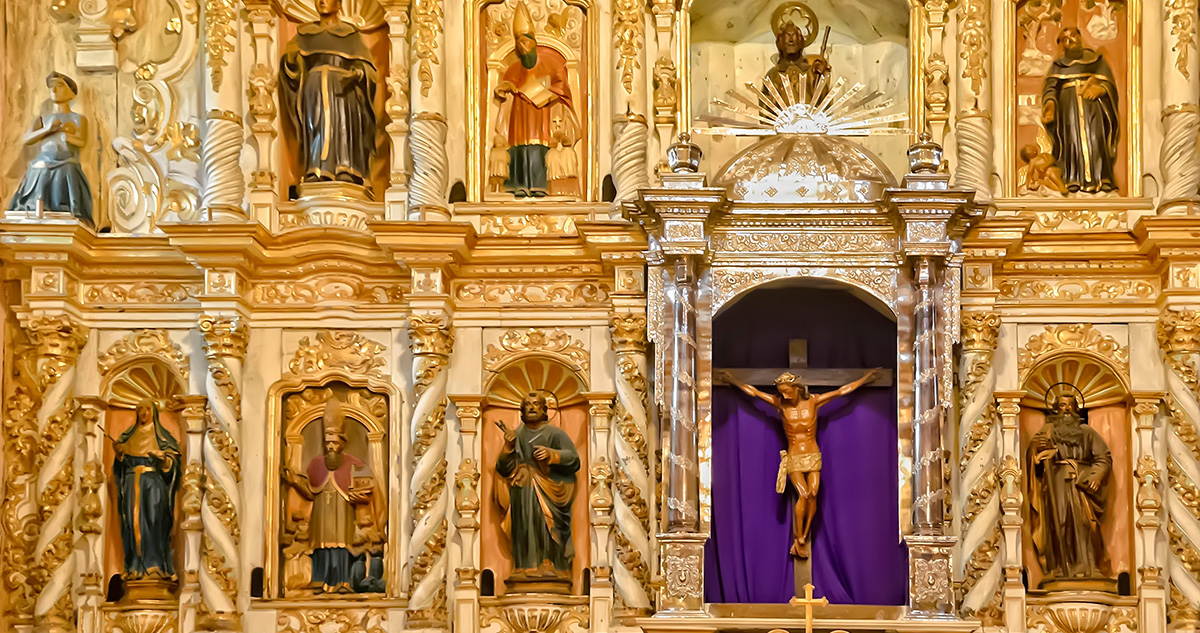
column 801, row 462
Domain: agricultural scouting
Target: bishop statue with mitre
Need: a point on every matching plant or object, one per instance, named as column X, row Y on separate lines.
column 529, row 90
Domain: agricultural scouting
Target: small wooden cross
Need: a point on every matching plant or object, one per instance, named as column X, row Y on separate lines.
column 808, row 603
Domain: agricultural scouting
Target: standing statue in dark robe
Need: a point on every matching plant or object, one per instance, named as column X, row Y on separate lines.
column 537, row 467
column 345, row 533
column 146, row 473
column 1079, row 110
column 530, row 90
column 55, row 176
column 1068, row 469
column 327, row 80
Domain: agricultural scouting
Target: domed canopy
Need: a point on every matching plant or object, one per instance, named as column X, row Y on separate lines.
column 805, row 168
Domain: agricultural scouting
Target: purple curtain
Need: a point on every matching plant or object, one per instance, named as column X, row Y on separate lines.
column 857, row 557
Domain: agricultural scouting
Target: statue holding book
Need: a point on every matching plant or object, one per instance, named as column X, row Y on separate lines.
column 531, row 91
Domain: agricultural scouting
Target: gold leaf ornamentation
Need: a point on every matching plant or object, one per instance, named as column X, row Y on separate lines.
column 1072, row 336
column 573, row 294
column 142, row 343
column 627, row 36
column 339, row 349
column 1183, row 27
column 974, row 28
column 219, row 16
column 427, row 24
column 554, row 342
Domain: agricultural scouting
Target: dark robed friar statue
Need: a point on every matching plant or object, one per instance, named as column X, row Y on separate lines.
column 1068, row 470
column 537, row 467
column 146, row 473
column 1079, row 110
column 327, row 80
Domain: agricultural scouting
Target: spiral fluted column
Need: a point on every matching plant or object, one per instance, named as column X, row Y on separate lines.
column 431, row 340
column 59, row 340
column 973, row 124
column 631, row 567
column 1180, row 78
column 1179, row 340
column 225, row 339
column 430, row 178
column 979, row 563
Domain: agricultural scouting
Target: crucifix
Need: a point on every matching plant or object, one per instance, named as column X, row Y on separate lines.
column 801, row 462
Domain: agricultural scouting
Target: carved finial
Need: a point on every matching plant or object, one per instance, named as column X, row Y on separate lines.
column 924, row 156
column 684, row 156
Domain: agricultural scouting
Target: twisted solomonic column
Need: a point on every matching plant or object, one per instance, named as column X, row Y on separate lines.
column 978, row 560
column 59, row 341
column 225, row 340
column 1179, row 340
column 631, row 567
column 430, row 342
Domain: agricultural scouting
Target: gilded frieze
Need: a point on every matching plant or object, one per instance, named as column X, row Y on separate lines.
column 776, row 242
column 486, row 293
column 1073, row 290
column 325, row 289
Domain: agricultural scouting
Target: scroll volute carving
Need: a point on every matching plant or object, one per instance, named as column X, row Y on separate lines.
column 333, row 530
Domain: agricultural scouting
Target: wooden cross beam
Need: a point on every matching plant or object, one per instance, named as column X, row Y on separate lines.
column 798, row 365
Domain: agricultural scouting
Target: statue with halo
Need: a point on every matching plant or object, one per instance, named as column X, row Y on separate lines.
column 1069, row 467
column 795, row 27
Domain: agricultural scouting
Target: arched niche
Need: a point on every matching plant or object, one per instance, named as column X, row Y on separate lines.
column 565, row 387
column 845, row 326
column 1104, row 387
column 295, row 435
column 871, row 42
column 143, row 367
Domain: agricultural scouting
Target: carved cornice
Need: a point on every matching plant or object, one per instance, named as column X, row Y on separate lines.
column 339, row 350
column 1083, row 337
column 554, row 342
column 146, row 343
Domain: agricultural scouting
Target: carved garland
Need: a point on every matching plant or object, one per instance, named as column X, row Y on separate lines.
column 556, row 343
column 1072, row 336
column 342, row 350
column 153, row 343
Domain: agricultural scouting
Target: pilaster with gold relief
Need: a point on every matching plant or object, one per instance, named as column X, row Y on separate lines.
column 669, row 88
column 398, row 106
column 59, row 340
column 1012, row 497
column 1148, row 505
column 467, row 504
column 262, row 82
column 973, row 134
column 225, row 339
column 600, row 505
column 631, row 131
column 935, row 72
column 90, row 513
column 431, row 341
column 194, row 416
column 979, row 561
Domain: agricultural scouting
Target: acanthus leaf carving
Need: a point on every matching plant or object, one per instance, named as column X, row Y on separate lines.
column 1072, row 336
column 556, row 342
column 154, row 343
column 339, row 349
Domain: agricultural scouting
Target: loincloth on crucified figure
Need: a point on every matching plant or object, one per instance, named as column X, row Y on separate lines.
column 789, row 463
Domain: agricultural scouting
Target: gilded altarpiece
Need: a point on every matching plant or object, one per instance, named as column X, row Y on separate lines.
column 1074, row 98
column 532, row 81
